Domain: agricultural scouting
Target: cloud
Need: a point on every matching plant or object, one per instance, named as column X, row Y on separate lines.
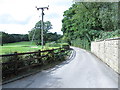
column 8, row 19
column 63, row 2
column 96, row 0
column 20, row 16
column 14, row 28
column 53, row 16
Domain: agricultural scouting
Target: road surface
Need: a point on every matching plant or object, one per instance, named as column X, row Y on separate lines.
column 83, row 70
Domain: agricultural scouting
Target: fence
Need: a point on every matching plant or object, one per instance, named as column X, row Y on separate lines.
column 17, row 62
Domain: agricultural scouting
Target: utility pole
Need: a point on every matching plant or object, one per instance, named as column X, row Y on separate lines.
column 42, row 24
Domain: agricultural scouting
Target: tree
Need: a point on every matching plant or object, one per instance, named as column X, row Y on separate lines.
column 11, row 38
column 86, row 21
column 35, row 33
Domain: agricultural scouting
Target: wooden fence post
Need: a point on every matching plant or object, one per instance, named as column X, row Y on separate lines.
column 53, row 55
column 16, row 63
column 39, row 56
column 60, row 50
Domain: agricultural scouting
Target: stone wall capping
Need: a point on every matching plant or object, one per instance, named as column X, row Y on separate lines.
column 116, row 38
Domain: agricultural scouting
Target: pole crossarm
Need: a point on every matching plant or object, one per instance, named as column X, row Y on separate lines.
column 42, row 8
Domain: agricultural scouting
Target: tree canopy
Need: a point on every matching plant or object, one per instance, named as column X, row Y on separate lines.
column 11, row 38
column 35, row 33
column 87, row 21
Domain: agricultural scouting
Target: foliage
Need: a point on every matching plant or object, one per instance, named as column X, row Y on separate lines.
column 11, row 38
column 15, row 65
column 35, row 33
column 52, row 37
column 87, row 21
column 53, row 44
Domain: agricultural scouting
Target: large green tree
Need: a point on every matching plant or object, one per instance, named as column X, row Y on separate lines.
column 86, row 21
column 35, row 33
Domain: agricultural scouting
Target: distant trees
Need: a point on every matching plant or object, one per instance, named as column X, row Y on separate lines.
column 50, row 37
column 10, row 38
column 35, row 33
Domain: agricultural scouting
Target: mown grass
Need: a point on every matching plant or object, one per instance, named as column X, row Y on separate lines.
column 21, row 47
column 25, row 43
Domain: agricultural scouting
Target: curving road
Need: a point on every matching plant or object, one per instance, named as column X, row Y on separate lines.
column 83, row 70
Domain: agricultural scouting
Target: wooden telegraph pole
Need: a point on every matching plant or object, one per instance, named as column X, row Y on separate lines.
column 42, row 8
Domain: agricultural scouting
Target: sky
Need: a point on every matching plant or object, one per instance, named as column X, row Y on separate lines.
column 20, row 16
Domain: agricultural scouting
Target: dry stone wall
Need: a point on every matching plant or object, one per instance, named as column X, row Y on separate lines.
column 108, row 51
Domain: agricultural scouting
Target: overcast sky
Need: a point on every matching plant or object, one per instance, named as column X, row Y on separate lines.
column 20, row 16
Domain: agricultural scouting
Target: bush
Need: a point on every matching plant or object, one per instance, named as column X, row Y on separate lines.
column 53, row 44
column 66, row 47
column 15, row 65
column 84, row 43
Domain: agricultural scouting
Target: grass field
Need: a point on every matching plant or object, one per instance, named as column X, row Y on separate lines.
column 27, row 43
column 20, row 47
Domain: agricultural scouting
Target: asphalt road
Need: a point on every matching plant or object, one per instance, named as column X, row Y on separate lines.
column 83, row 70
